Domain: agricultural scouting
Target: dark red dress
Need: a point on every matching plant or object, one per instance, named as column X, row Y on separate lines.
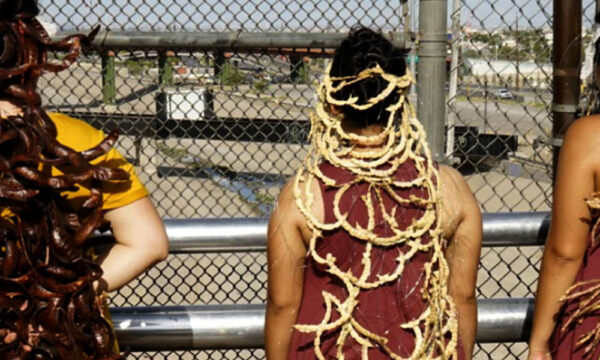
column 563, row 344
column 380, row 310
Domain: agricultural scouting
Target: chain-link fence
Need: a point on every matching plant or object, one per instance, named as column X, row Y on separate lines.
column 215, row 132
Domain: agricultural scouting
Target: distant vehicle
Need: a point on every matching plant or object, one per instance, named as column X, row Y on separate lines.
column 244, row 64
column 282, row 79
column 190, row 62
column 504, row 94
column 251, row 77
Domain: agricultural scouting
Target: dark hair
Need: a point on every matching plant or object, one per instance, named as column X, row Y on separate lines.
column 591, row 95
column 10, row 8
column 597, row 43
column 362, row 49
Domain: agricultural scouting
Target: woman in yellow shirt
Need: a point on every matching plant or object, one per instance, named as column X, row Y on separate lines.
column 59, row 179
column 141, row 240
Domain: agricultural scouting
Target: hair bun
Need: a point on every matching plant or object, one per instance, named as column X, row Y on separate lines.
column 363, row 49
column 11, row 8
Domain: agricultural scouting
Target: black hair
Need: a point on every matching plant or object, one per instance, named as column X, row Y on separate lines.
column 597, row 43
column 10, row 8
column 591, row 95
column 362, row 49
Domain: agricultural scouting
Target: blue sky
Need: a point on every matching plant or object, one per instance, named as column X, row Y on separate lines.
column 304, row 15
column 224, row 14
column 529, row 13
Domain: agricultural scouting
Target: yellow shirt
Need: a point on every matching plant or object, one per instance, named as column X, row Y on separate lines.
column 81, row 136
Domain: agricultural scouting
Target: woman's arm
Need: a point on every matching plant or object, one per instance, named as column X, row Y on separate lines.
column 141, row 242
column 463, row 253
column 569, row 231
column 286, row 252
column 137, row 228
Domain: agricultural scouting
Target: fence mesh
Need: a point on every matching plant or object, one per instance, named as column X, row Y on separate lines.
column 216, row 134
column 504, row 74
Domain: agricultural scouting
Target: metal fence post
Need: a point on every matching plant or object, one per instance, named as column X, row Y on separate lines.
column 165, row 68
column 109, row 89
column 453, row 85
column 431, row 77
column 566, row 67
column 410, row 27
column 218, row 64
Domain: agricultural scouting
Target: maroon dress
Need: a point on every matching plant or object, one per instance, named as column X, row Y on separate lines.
column 380, row 310
column 563, row 343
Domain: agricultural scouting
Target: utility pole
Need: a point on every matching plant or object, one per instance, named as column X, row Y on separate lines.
column 412, row 17
column 566, row 69
column 453, row 86
column 431, row 79
column 486, row 95
column 517, row 43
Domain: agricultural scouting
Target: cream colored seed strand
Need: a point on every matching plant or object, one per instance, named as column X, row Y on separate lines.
column 435, row 330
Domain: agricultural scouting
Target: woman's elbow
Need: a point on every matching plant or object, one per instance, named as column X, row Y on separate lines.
column 161, row 254
column 278, row 311
column 160, row 240
column 157, row 249
column 561, row 256
column 161, row 250
column 282, row 305
column 461, row 297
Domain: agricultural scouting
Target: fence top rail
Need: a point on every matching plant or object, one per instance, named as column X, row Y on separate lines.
column 242, row 325
column 249, row 234
column 224, row 40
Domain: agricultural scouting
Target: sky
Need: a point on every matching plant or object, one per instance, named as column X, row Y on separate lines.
column 223, row 14
column 290, row 15
column 529, row 13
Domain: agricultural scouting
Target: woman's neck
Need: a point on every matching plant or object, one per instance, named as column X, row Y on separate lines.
column 368, row 131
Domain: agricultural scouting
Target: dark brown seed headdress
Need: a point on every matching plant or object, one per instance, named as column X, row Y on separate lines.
column 48, row 307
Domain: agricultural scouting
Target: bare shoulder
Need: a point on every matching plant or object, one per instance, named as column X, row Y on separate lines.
column 286, row 203
column 457, row 200
column 584, row 133
column 453, row 183
column 287, row 212
column 585, row 124
column 581, row 145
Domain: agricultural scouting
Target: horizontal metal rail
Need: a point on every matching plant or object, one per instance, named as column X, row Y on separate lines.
column 249, row 234
column 224, row 40
column 189, row 327
column 217, row 235
column 515, row 229
column 241, row 326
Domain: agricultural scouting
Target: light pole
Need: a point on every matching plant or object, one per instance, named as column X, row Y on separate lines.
column 517, row 43
column 413, row 28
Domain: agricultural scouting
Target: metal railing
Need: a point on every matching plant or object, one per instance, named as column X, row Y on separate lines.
column 241, row 326
column 250, row 234
column 223, row 40
column 235, row 326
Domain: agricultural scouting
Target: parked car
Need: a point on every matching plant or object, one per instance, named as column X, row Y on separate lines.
column 504, row 94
